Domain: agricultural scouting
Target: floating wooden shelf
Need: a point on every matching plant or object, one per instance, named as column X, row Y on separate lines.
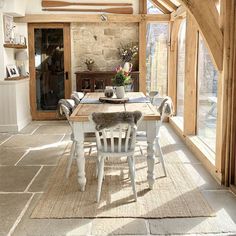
column 17, row 78
column 12, row 45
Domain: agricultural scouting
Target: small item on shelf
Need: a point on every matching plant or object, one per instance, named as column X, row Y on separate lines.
column 12, row 71
column 109, row 91
column 22, row 56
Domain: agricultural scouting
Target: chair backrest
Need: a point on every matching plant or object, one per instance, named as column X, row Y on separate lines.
column 66, row 107
column 77, row 96
column 117, row 138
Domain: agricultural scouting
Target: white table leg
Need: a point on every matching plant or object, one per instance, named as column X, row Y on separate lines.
column 79, row 136
column 151, row 135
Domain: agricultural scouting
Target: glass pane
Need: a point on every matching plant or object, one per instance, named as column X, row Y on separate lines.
column 151, row 9
column 156, row 58
column 207, row 97
column 49, row 64
column 181, row 70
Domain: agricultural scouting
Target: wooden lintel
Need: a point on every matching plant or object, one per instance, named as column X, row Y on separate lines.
column 205, row 14
column 158, row 17
column 47, row 18
column 160, row 7
column 179, row 13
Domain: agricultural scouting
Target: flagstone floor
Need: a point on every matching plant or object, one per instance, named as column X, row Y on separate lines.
column 28, row 158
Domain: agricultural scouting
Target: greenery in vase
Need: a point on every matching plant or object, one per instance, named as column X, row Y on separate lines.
column 122, row 77
column 128, row 52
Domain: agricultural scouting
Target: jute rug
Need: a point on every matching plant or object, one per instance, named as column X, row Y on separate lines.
column 172, row 196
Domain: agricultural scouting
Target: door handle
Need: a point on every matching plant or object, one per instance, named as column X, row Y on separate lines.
column 66, row 75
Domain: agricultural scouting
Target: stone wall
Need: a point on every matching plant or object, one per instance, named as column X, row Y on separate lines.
column 99, row 42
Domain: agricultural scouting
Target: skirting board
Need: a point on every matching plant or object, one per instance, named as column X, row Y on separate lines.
column 15, row 127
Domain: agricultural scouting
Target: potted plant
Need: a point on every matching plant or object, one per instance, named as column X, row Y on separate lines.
column 121, row 79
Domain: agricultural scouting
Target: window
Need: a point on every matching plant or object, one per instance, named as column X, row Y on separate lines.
column 181, row 70
column 156, row 58
column 207, row 97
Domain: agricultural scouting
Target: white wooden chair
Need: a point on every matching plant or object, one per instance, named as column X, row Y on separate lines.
column 88, row 138
column 77, row 96
column 163, row 104
column 116, row 142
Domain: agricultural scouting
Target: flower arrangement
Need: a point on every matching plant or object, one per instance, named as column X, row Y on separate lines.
column 122, row 77
column 89, row 63
column 128, row 52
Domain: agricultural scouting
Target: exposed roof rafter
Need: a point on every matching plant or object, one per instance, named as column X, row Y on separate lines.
column 160, row 6
column 205, row 13
column 170, row 5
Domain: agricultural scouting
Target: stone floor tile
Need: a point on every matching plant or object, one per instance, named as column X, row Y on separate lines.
column 4, row 137
column 45, row 156
column 119, row 226
column 201, row 177
column 16, row 178
column 222, row 223
column 30, row 129
column 222, row 201
column 9, row 156
column 11, row 206
column 53, row 129
column 41, row 180
column 51, row 227
column 36, row 141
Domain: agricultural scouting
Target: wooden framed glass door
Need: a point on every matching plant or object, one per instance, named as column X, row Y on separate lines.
column 50, row 66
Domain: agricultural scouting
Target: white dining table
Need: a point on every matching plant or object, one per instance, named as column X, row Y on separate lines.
column 82, row 125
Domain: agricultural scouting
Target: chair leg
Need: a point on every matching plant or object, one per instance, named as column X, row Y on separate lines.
column 100, row 177
column 97, row 165
column 160, row 156
column 90, row 150
column 132, row 175
column 72, row 155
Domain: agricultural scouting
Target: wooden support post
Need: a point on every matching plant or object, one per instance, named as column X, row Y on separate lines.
column 190, row 87
column 142, row 46
column 143, row 6
column 172, row 60
column 225, row 146
column 142, row 56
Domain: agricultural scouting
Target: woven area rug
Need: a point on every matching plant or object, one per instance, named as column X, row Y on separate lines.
column 173, row 196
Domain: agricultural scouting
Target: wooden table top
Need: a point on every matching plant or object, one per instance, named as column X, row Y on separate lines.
column 84, row 110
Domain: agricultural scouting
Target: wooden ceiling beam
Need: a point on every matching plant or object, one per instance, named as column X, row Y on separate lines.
column 160, row 6
column 205, row 14
column 170, row 4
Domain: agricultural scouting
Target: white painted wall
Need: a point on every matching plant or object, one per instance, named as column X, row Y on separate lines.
column 15, row 7
column 7, row 55
column 14, row 105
